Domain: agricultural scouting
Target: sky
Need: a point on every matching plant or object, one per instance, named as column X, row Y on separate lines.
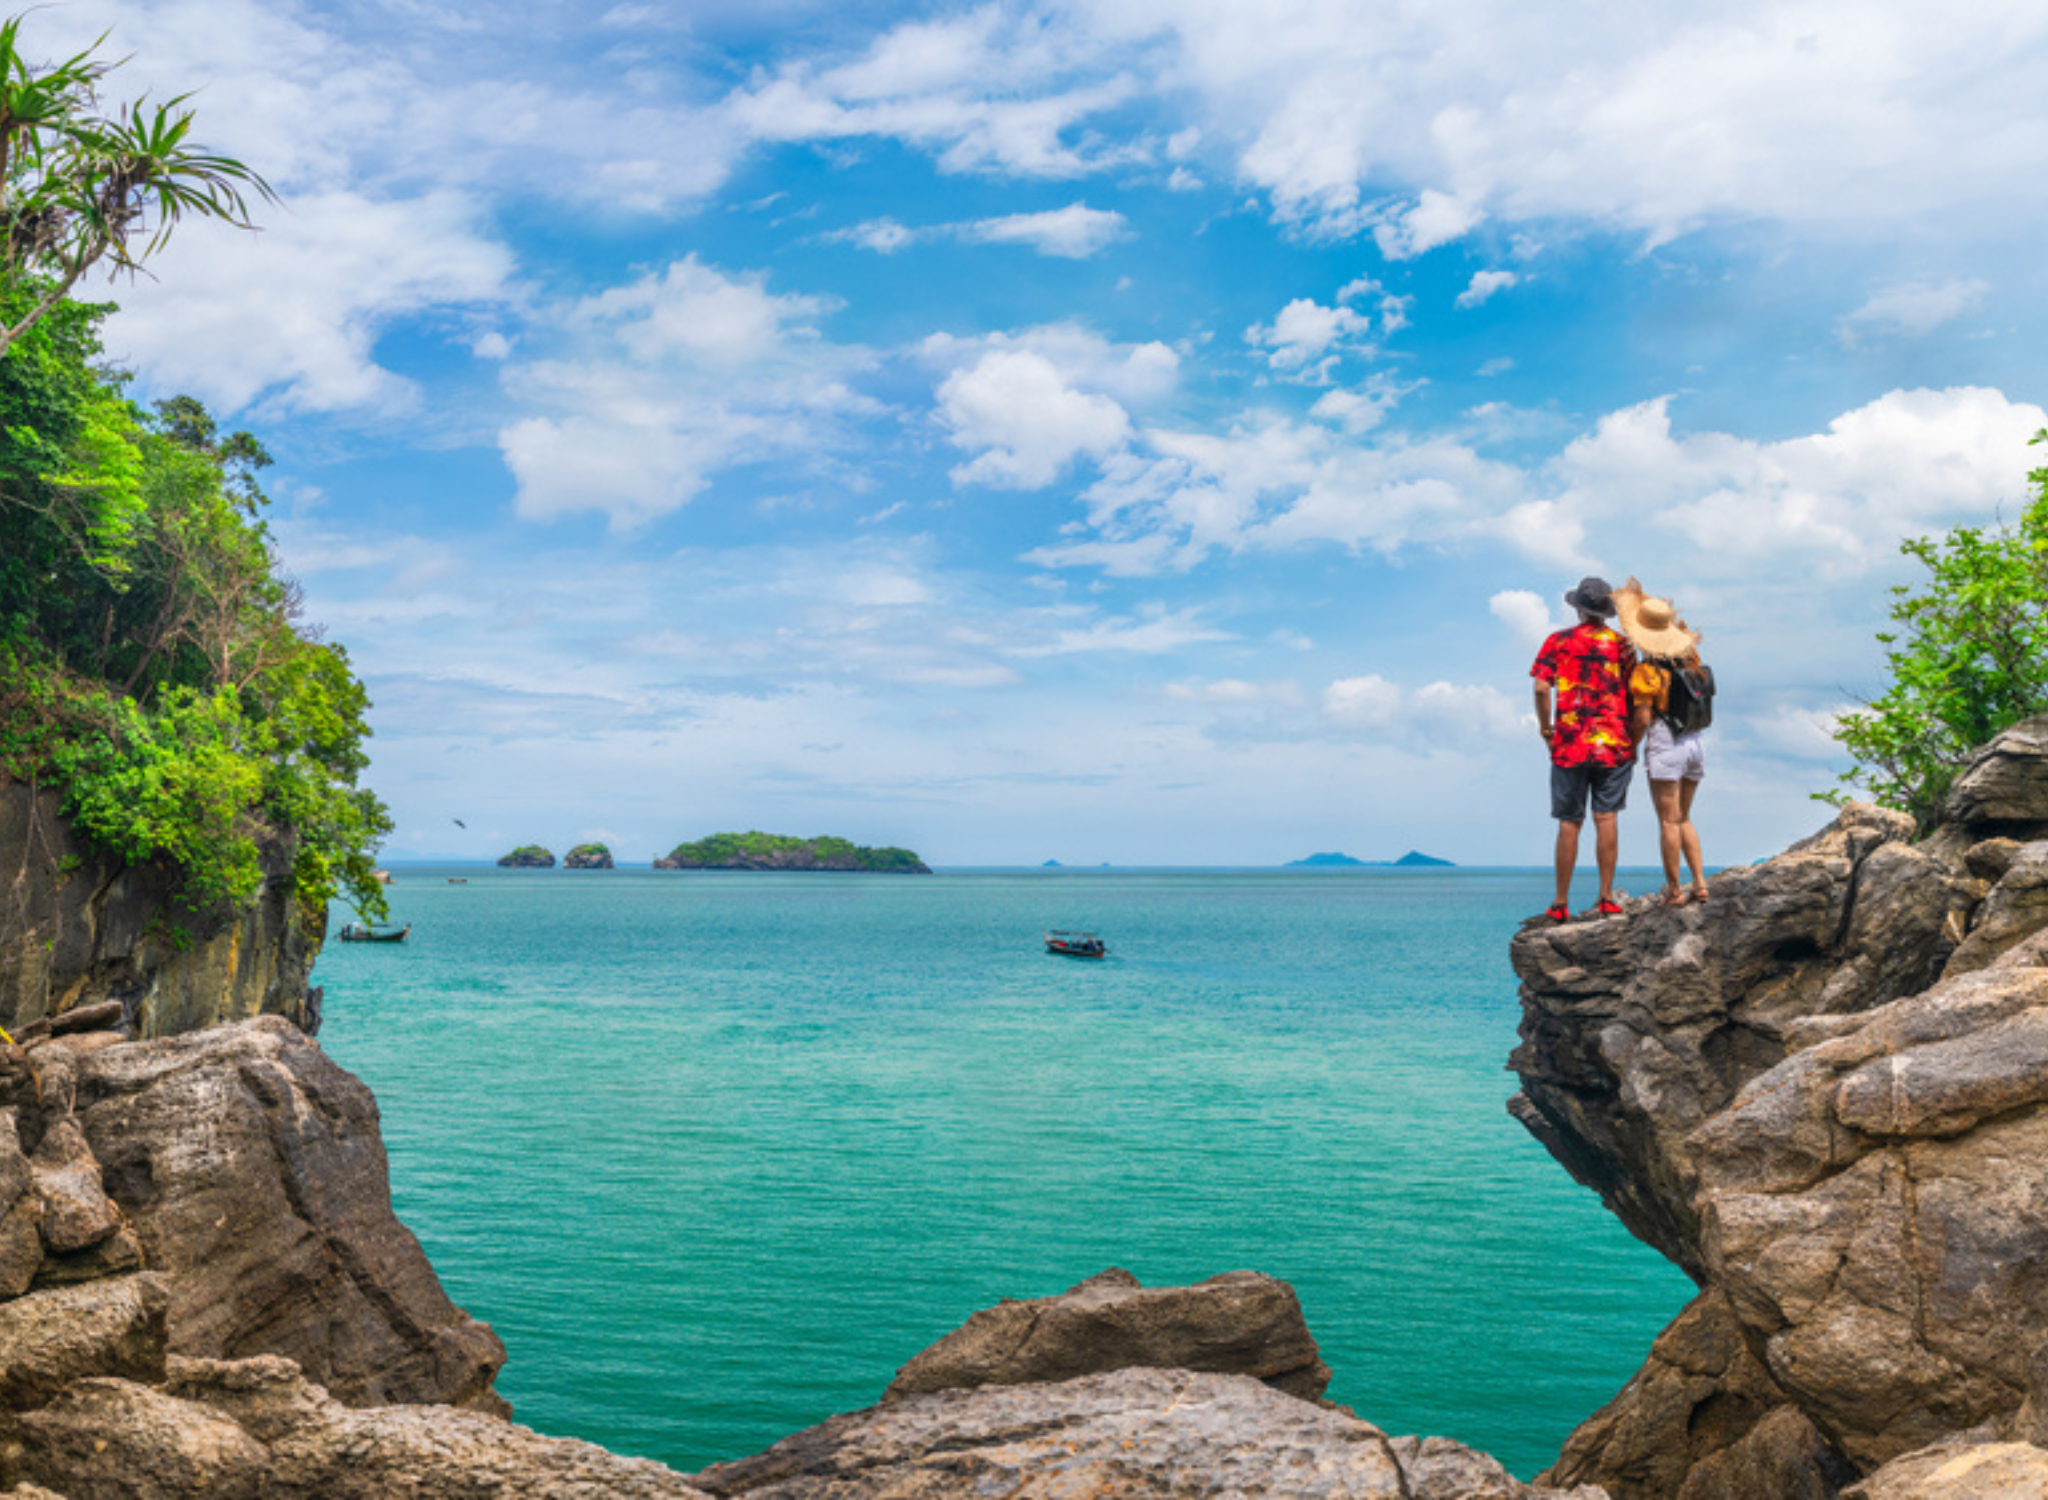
column 1102, row 431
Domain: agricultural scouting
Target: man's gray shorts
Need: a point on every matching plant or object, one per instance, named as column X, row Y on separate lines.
column 1570, row 786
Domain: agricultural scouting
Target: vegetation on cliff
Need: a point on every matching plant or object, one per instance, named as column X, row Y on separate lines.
column 1969, row 658
column 151, row 658
column 588, row 857
column 528, row 857
column 770, row 851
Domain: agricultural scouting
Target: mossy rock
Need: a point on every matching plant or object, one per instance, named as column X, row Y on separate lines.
column 528, row 857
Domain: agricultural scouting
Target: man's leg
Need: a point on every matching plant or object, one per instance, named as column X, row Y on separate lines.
column 1606, row 849
column 1567, row 858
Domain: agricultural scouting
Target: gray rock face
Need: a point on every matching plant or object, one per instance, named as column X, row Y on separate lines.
column 252, row 1170
column 1636, row 1030
column 1241, row 1323
column 1826, row 1095
column 1131, row 1433
column 84, row 931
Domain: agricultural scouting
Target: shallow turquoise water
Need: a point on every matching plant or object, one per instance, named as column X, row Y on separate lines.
column 715, row 1153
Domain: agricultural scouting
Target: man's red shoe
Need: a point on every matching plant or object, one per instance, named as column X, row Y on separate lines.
column 1558, row 913
column 1609, row 907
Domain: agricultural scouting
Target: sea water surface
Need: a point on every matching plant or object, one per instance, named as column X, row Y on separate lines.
column 715, row 1153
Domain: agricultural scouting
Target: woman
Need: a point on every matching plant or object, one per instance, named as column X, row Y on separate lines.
column 1671, row 694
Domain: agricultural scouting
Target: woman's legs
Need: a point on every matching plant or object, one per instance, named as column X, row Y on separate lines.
column 1670, row 799
column 1689, row 841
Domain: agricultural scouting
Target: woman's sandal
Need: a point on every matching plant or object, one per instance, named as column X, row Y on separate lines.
column 1672, row 895
column 1698, row 897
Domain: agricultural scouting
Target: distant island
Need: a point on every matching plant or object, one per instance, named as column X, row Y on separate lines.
column 771, row 851
column 1052, row 864
column 1412, row 860
column 587, row 857
column 528, row 857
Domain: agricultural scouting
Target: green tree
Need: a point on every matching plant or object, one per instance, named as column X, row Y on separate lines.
column 80, row 187
column 1969, row 657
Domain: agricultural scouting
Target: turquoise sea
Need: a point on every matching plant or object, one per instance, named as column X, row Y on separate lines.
column 715, row 1153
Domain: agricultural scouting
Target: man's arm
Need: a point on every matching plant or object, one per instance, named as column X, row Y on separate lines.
column 1543, row 710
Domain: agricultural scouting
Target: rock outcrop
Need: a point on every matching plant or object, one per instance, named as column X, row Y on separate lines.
column 77, row 929
column 1241, row 1323
column 253, row 1172
column 1825, row 1094
column 1135, row 1433
column 528, row 857
column 247, row 1171
column 588, row 857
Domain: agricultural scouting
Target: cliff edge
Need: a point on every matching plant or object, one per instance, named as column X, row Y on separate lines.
column 1824, row 1094
column 78, row 929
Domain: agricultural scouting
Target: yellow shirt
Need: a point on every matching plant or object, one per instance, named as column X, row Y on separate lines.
column 1651, row 685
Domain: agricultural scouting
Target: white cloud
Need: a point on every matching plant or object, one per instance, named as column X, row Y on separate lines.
column 1438, row 716
column 1879, row 115
column 291, row 316
column 1029, row 423
column 1368, row 702
column 1434, row 219
column 1075, row 232
column 1233, row 693
column 1306, row 337
column 1913, row 309
column 1836, row 501
column 1525, row 613
column 1154, row 631
column 1484, row 284
column 666, row 380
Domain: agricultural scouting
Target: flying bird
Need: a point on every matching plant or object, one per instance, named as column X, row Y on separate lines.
column 458, row 823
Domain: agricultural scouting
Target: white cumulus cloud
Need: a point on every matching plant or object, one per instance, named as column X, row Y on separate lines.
column 1484, row 284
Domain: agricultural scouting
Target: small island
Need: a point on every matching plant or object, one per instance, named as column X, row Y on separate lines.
column 771, row 851
column 528, row 857
column 586, row 857
column 1413, row 860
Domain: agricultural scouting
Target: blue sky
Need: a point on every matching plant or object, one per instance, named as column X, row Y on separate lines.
column 1108, row 430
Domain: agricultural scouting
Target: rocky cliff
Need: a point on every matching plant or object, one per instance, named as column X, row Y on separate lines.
column 1824, row 1093
column 77, row 929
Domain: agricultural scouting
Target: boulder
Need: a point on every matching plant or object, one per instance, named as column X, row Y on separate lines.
column 109, row 1327
column 110, row 1438
column 1241, row 1323
column 252, row 1170
column 21, row 1213
column 1132, row 1433
column 1960, row 1470
column 76, row 1212
column 257, row 1429
column 2005, row 783
column 1703, row 1418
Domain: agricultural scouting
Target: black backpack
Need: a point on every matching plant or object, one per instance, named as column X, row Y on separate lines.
column 1689, row 702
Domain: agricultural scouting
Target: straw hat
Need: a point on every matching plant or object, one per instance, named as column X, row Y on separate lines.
column 1652, row 624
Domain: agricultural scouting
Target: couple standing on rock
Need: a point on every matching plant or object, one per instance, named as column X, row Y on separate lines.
column 1609, row 703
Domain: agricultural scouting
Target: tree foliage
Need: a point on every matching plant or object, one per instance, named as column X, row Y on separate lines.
column 151, row 660
column 81, row 187
column 1969, row 657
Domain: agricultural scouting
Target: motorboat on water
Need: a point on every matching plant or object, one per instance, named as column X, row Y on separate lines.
column 1074, row 944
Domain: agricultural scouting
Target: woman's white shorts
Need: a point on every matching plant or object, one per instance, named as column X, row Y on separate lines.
column 1673, row 757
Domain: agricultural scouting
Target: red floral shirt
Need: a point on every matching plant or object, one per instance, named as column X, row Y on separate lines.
column 1589, row 666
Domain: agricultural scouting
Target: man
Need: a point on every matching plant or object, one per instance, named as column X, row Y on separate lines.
column 1591, row 751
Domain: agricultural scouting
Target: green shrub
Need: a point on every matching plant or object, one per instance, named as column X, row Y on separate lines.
column 1968, row 659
